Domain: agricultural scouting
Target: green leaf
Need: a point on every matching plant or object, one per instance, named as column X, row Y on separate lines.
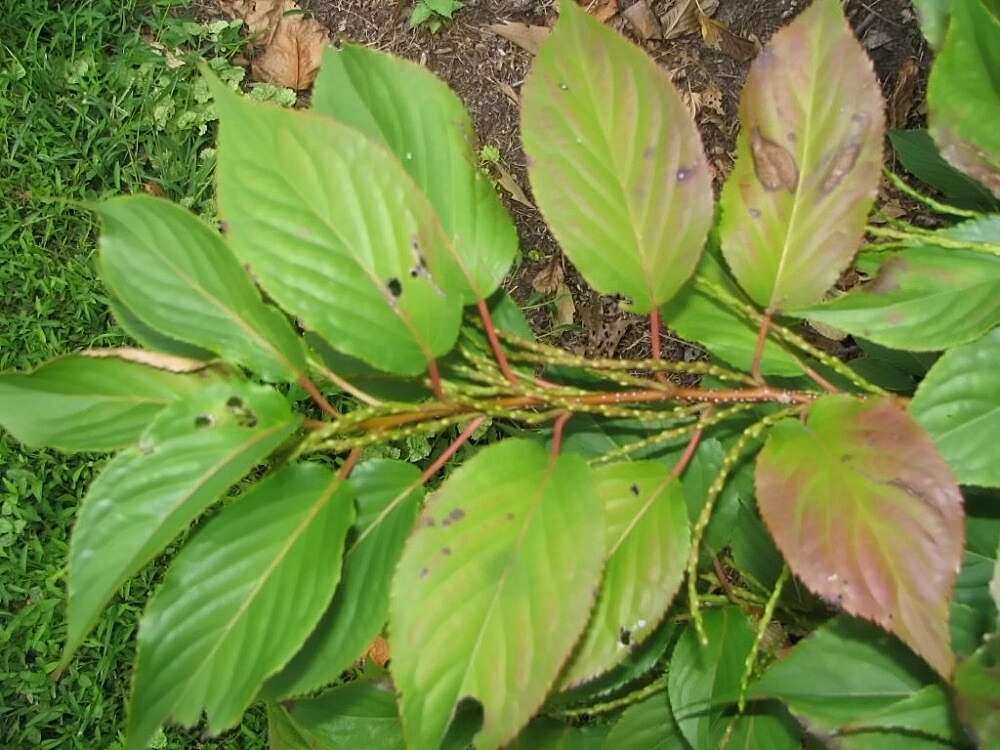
column 238, row 601
column 702, row 680
column 91, row 402
column 191, row 454
column 977, row 687
column 282, row 734
column 766, row 724
column 698, row 317
column 647, row 548
column 923, row 299
column 617, row 165
column 973, row 607
column 698, row 478
column 934, row 17
column 985, row 229
column 513, row 542
column 360, row 714
column 508, row 316
column 958, row 403
column 648, row 725
column 963, row 93
column 889, row 740
column 376, row 383
column 149, row 337
column 549, row 734
column 919, row 154
column 388, row 497
column 338, row 234
column 850, row 674
column 808, row 161
column 928, row 711
column 868, row 516
column 411, row 111
column 363, row 714
column 177, row 276
column 636, row 665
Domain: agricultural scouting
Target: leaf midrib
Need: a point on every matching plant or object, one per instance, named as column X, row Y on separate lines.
column 267, row 573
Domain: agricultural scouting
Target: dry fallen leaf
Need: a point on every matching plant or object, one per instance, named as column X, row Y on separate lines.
column 171, row 57
column 642, row 21
column 550, row 277
column 160, row 361
column 260, row 17
column 565, row 307
column 682, row 17
column 154, row 188
column 901, row 100
column 526, row 37
column 293, row 53
column 508, row 183
column 602, row 10
column 718, row 36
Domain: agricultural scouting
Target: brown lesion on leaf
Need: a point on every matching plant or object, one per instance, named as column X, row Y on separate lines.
column 774, row 165
column 846, row 157
column 888, row 276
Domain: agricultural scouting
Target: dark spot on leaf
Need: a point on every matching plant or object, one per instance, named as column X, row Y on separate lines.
column 624, row 636
column 634, row 489
column 223, row 227
column 414, row 273
column 457, row 514
column 648, row 153
column 204, row 420
column 234, row 402
column 446, row 551
column 394, row 287
column 773, row 164
column 428, row 522
column 754, row 213
column 510, row 516
column 424, row 572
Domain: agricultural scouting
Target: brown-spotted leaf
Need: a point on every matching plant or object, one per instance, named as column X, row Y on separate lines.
column 808, row 161
column 868, row 515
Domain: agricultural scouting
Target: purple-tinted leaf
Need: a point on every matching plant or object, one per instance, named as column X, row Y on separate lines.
column 868, row 515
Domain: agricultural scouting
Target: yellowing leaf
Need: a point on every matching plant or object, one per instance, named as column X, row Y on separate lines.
column 618, row 170
column 808, row 163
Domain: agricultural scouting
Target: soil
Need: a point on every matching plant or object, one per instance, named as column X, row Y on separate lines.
column 487, row 72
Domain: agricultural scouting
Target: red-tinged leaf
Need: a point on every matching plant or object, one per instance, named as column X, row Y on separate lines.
column 868, row 515
column 808, row 161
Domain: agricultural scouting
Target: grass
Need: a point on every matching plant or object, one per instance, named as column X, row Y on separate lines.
column 88, row 108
